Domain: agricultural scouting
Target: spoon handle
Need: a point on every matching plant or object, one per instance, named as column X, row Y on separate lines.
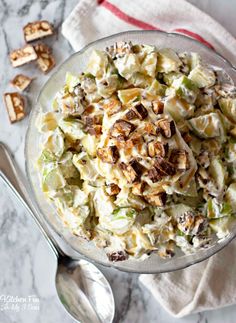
column 10, row 175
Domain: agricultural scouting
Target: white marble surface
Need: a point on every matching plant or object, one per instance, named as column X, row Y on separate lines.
column 27, row 266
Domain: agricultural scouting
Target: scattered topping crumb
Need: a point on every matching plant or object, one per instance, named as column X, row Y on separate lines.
column 21, row 82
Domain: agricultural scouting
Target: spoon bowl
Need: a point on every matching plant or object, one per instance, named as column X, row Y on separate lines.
column 84, row 291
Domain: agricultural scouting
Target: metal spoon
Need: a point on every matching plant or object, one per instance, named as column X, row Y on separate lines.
column 81, row 287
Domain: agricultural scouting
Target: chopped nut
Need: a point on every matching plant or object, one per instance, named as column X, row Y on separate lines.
column 21, row 82
column 37, row 29
column 121, row 129
column 131, row 114
column 45, row 59
column 15, row 106
column 141, row 111
column 117, row 256
column 23, row 56
column 156, row 148
column 108, row 155
column 138, row 188
column 112, row 189
column 179, row 157
column 158, row 199
column 157, row 107
column 164, row 166
column 166, row 128
column 132, row 171
column 155, row 174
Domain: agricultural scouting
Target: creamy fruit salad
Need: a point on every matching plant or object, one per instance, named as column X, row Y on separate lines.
column 138, row 152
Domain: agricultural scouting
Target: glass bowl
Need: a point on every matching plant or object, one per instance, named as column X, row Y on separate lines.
column 76, row 64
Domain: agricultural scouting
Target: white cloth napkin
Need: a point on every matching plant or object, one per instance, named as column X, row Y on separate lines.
column 212, row 283
column 94, row 19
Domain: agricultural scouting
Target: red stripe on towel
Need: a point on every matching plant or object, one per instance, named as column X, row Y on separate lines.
column 143, row 25
column 123, row 16
column 194, row 35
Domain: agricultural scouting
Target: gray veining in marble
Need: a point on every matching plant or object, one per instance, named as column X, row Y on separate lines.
column 27, row 266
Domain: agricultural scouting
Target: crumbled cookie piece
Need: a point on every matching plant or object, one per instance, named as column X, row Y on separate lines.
column 37, row 29
column 15, row 106
column 45, row 58
column 21, row 82
column 23, row 56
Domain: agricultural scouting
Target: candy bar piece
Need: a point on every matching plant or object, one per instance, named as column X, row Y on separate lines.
column 117, row 256
column 132, row 171
column 108, row 155
column 121, row 129
column 164, row 166
column 37, row 29
column 15, row 106
column 45, row 59
column 158, row 107
column 179, row 157
column 166, row 128
column 23, row 56
column 131, row 114
column 21, row 82
column 156, row 148
column 138, row 188
column 155, row 174
column 158, row 199
column 141, row 111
